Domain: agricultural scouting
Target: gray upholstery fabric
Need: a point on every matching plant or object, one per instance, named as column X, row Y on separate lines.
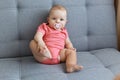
column 91, row 27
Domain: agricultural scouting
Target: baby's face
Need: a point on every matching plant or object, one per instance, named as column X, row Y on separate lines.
column 57, row 19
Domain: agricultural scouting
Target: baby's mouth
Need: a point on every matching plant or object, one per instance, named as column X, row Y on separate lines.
column 57, row 25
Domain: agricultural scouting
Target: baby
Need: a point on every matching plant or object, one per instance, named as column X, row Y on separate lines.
column 51, row 43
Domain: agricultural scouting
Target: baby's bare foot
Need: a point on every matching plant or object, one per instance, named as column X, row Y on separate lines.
column 74, row 68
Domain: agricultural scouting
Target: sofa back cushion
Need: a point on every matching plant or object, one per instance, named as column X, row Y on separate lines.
column 91, row 24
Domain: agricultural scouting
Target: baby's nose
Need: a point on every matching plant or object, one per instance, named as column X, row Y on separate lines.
column 57, row 20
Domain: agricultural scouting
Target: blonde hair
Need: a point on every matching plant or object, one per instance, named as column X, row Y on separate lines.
column 57, row 7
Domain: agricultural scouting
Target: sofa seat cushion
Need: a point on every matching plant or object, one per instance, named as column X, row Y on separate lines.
column 27, row 68
column 10, row 69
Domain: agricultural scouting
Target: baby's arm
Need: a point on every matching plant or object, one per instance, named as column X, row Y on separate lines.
column 68, row 44
column 41, row 45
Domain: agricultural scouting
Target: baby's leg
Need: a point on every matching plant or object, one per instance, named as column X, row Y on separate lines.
column 69, row 56
column 35, row 51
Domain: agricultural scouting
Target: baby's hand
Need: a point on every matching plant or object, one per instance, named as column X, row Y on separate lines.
column 73, row 49
column 44, row 51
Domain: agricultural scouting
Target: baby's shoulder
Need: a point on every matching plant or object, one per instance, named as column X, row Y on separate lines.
column 43, row 26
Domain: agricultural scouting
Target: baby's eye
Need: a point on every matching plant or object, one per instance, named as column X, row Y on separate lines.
column 54, row 18
column 62, row 19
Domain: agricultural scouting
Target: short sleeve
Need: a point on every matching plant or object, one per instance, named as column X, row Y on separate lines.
column 66, row 33
column 41, row 29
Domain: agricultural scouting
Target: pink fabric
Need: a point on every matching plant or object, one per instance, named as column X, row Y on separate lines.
column 51, row 61
column 54, row 39
column 54, row 52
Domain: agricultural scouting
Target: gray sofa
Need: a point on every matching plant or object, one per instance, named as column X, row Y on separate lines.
column 92, row 29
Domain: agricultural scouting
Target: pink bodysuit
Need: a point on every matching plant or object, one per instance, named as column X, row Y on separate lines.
column 54, row 40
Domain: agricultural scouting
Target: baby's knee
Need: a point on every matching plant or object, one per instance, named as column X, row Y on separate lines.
column 69, row 51
column 33, row 46
column 32, row 42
